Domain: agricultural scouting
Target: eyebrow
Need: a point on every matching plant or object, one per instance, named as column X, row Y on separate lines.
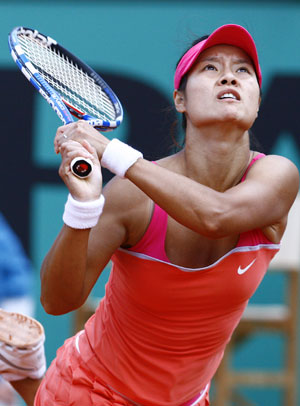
column 216, row 59
column 210, row 59
column 243, row 60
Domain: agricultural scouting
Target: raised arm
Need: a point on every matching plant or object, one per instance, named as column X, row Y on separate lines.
column 78, row 256
column 76, row 259
column 263, row 200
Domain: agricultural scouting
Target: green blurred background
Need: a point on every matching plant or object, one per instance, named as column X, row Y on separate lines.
column 141, row 41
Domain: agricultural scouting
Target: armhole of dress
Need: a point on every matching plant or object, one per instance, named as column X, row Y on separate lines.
column 253, row 237
column 153, row 241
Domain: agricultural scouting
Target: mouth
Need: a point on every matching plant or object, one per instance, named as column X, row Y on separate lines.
column 229, row 95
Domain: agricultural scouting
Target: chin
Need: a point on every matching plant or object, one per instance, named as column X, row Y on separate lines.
column 236, row 119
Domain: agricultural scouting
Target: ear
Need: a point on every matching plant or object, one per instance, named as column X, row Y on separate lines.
column 179, row 101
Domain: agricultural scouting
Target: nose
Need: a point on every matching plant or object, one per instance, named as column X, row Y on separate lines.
column 228, row 78
column 231, row 81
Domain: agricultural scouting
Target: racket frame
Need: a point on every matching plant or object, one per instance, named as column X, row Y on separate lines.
column 62, row 108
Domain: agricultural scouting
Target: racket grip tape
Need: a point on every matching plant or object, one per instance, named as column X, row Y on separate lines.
column 81, row 167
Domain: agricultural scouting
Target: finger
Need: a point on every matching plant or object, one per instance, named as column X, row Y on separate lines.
column 61, row 139
column 89, row 147
column 73, row 149
column 72, row 155
column 61, row 136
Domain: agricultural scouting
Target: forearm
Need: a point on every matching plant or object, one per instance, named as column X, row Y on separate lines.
column 194, row 205
column 63, row 271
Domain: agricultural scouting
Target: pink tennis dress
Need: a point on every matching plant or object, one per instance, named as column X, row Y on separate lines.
column 159, row 334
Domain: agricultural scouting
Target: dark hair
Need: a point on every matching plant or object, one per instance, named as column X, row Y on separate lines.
column 183, row 80
column 180, row 144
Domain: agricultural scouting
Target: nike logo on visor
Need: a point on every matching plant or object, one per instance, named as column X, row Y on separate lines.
column 243, row 270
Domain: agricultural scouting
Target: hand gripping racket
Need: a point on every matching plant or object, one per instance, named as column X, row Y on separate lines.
column 70, row 86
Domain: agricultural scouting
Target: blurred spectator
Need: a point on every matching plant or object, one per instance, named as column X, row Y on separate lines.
column 16, row 280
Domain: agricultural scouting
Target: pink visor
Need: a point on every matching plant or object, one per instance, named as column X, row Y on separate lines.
column 230, row 34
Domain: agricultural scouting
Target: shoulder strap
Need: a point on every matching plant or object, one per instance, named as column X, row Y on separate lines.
column 256, row 158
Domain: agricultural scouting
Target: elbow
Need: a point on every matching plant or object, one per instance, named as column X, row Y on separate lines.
column 214, row 223
column 57, row 308
column 52, row 309
column 214, row 230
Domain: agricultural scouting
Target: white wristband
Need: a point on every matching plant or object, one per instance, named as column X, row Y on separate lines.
column 118, row 157
column 82, row 214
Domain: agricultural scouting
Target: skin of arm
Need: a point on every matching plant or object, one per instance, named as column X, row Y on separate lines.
column 262, row 201
column 77, row 257
column 273, row 181
column 63, row 272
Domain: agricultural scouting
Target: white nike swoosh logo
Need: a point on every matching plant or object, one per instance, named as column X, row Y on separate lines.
column 243, row 270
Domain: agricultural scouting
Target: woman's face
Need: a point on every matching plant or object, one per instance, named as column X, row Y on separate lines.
column 221, row 87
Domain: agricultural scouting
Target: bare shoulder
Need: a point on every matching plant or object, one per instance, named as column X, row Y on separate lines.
column 171, row 162
column 279, row 169
column 126, row 204
column 278, row 177
column 123, row 193
column 277, row 161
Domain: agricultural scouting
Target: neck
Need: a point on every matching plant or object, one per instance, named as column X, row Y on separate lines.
column 216, row 157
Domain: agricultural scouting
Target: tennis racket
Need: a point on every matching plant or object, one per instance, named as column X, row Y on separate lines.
column 71, row 87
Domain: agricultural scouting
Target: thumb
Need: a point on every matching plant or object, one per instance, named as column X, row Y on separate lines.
column 89, row 148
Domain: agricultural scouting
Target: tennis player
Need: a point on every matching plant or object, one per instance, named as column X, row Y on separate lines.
column 190, row 237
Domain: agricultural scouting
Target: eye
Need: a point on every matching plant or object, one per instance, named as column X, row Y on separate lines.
column 210, row 67
column 243, row 69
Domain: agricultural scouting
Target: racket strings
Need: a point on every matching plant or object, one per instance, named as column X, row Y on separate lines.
column 76, row 87
column 68, row 94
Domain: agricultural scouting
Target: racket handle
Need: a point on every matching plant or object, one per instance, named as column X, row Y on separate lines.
column 81, row 167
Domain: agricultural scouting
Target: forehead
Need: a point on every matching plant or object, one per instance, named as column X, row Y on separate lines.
column 228, row 51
